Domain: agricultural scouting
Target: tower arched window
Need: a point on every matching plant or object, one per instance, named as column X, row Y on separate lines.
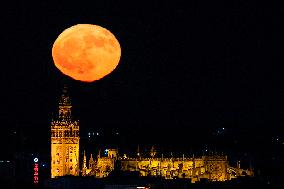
column 71, row 132
column 60, row 114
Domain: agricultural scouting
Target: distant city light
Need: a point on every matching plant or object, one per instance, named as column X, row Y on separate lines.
column 1, row 161
column 97, row 134
column 142, row 187
column 35, row 160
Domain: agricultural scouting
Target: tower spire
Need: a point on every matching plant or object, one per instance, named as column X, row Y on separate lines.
column 64, row 112
column 153, row 152
column 99, row 154
column 91, row 162
column 84, row 168
column 138, row 151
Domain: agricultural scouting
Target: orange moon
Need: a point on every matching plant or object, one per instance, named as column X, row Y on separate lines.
column 86, row 52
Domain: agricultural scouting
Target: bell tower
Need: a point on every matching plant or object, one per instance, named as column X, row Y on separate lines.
column 64, row 140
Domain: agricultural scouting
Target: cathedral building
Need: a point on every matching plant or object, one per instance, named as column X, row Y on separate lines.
column 214, row 167
column 65, row 157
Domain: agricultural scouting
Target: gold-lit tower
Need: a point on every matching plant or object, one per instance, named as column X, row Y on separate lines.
column 64, row 140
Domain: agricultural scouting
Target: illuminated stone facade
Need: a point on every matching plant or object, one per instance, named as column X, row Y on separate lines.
column 212, row 167
column 65, row 157
column 64, row 140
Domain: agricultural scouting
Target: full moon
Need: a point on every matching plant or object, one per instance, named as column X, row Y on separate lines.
column 86, row 52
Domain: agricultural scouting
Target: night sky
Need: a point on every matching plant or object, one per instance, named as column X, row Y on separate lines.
column 186, row 70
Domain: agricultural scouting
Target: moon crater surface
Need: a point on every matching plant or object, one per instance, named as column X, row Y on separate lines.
column 86, row 52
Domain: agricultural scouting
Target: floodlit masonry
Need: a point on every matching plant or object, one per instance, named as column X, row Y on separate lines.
column 213, row 167
column 65, row 157
column 64, row 140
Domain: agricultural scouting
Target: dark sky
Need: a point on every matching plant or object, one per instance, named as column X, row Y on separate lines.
column 185, row 69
